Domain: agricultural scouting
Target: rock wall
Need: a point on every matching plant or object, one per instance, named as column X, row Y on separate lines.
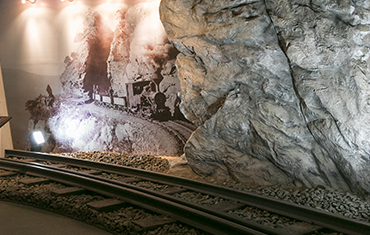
column 280, row 89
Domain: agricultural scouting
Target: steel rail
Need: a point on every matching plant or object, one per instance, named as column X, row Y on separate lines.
column 190, row 126
column 185, row 214
column 328, row 220
column 187, row 129
column 223, row 215
column 173, row 131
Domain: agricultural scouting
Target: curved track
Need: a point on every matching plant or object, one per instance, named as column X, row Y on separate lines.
column 211, row 220
column 180, row 130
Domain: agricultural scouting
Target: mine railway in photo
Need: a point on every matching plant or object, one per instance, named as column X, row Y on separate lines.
column 144, row 101
column 124, row 186
column 180, row 129
column 142, row 96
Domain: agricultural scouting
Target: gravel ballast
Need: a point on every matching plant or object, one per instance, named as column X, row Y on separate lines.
column 121, row 221
column 145, row 162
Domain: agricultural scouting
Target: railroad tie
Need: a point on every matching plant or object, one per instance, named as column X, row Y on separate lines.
column 226, row 206
column 153, row 222
column 34, row 181
column 129, row 180
column 300, row 228
column 92, row 172
column 68, row 191
column 8, row 173
column 173, row 190
column 106, row 205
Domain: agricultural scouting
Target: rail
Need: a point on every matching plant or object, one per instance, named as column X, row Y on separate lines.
column 191, row 216
column 291, row 210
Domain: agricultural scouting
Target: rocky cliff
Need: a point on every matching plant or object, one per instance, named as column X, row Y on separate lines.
column 280, row 89
column 119, row 56
column 87, row 67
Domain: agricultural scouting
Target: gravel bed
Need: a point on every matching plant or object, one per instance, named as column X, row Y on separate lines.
column 74, row 168
column 45, row 162
column 248, row 213
column 329, row 200
column 326, row 199
column 116, row 222
column 112, row 176
column 263, row 217
column 146, row 162
column 144, row 184
column 199, row 198
column 150, row 185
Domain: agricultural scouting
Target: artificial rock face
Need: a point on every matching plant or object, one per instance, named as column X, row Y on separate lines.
column 280, row 89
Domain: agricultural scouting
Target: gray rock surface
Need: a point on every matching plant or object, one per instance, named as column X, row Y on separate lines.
column 279, row 89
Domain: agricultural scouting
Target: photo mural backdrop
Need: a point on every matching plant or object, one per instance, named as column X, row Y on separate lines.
column 117, row 90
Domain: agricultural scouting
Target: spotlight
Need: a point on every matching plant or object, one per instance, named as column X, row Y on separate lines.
column 31, row 1
column 38, row 137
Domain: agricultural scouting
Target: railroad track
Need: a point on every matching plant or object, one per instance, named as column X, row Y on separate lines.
column 179, row 129
column 189, row 125
column 215, row 219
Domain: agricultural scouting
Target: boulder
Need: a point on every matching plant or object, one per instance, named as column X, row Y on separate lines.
column 279, row 89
